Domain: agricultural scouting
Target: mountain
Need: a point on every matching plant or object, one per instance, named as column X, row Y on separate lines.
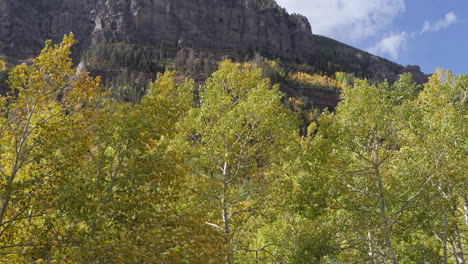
column 333, row 56
column 221, row 26
column 128, row 41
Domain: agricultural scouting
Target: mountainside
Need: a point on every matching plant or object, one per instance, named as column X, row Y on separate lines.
column 128, row 41
column 333, row 56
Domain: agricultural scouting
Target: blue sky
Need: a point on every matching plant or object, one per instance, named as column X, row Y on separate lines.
column 428, row 33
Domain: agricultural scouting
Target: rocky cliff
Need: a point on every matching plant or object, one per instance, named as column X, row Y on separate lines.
column 26, row 24
column 221, row 26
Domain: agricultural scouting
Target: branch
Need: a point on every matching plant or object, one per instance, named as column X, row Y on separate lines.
column 3, row 172
column 211, row 178
column 242, row 211
column 362, row 192
column 16, row 217
column 264, row 249
column 353, row 209
column 406, row 203
column 383, row 160
column 213, row 197
column 214, row 225
column 363, row 171
column 442, row 241
column 20, row 245
column 20, row 218
column 362, row 156
column 355, row 246
column 260, row 249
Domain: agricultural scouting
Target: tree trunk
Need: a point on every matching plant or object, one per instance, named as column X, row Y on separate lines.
column 225, row 216
column 9, row 192
column 5, row 203
column 371, row 248
column 224, row 205
column 465, row 207
column 225, row 211
column 384, row 215
column 459, row 254
column 444, row 237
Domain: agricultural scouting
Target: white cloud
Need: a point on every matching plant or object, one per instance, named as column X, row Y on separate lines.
column 347, row 20
column 391, row 45
column 443, row 23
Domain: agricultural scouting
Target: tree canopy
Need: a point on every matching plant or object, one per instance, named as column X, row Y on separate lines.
column 223, row 172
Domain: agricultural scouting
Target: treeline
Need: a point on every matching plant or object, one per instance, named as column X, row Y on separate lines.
column 332, row 56
column 218, row 173
column 116, row 56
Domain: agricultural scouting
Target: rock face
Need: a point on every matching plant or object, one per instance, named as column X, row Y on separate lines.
column 383, row 72
column 221, row 26
column 26, row 24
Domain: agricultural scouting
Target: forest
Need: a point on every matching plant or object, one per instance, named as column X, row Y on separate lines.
column 227, row 171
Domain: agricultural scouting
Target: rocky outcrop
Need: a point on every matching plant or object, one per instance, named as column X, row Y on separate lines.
column 221, row 26
column 382, row 72
column 26, row 24
column 418, row 75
